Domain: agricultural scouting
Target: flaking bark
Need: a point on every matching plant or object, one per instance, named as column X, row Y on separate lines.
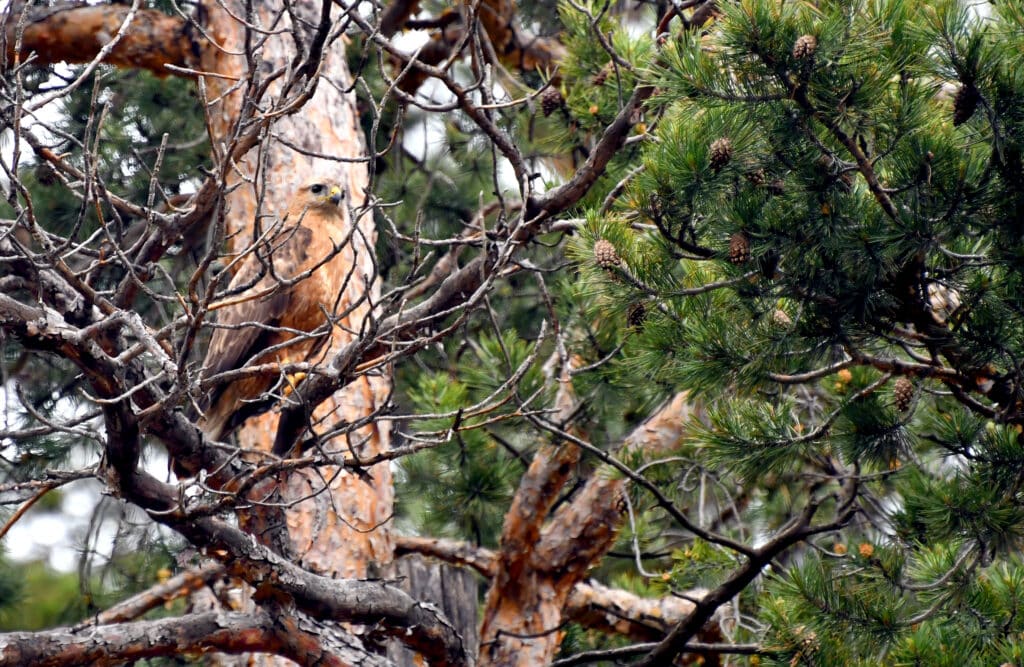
column 344, row 530
column 196, row 634
column 590, row 604
column 544, row 559
column 75, row 33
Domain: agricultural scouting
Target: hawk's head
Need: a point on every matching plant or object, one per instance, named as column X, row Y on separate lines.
column 321, row 194
column 317, row 200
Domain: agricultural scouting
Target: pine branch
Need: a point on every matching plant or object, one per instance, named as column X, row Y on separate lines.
column 175, row 587
column 421, row 628
column 591, row 604
column 226, row 632
column 799, row 528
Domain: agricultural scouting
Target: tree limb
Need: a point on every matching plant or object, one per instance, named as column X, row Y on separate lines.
column 75, row 33
column 175, row 587
column 418, row 626
column 227, row 632
column 590, row 604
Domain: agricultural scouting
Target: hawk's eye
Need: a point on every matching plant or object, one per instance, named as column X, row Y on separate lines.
column 317, row 189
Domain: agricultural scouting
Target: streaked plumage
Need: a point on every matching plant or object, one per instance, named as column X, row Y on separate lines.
column 268, row 311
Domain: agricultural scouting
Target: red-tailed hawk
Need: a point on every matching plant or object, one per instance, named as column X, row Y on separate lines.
column 271, row 303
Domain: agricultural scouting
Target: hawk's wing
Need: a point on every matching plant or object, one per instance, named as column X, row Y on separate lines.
column 246, row 327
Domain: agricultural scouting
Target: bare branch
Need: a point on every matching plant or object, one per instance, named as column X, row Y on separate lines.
column 228, row 632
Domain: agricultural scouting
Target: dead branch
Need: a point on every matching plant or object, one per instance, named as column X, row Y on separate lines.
column 227, row 632
column 175, row 587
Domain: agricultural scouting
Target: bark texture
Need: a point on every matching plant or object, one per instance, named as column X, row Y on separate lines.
column 452, row 590
column 76, row 33
column 543, row 558
column 195, row 635
column 337, row 521
column 523, row 611
column 514, row 47
column 341, row 530
column 590, row 604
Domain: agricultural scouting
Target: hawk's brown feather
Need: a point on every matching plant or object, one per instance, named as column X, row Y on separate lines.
column 271, row 303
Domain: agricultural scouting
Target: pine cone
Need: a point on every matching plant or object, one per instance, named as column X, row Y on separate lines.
column 551, row 100
column 902, row 393
column 805, row 46
column 636, row 316
column 721, row 153
column 780, row 318
column 603, row 75
column 942, row 302
column 757, row 177
column 965, row 103
column 739, row 248
column 605, row 255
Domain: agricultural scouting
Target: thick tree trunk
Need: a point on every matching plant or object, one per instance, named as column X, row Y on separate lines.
column 543, row 559
column 339, row 522
column 452, row 589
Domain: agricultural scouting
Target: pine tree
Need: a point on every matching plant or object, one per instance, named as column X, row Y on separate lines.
column 737, row 339
column 887, row 242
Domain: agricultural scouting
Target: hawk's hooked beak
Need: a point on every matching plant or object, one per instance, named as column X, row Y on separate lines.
column 336, row 195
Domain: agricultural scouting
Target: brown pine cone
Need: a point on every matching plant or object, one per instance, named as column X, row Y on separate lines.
column 902, row 393
column 757, row 177
column 603, row 75
column 551, row 100
column 780, row 318
column 720, row 153
column 805, row 46
column 739, row 248
column 965, row 103
column 605, row 254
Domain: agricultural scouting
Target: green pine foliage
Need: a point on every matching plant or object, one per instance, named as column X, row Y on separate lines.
column 462, row 488
column 810, row 224
column 33, row 596
column 799, row 229
column 875, row 235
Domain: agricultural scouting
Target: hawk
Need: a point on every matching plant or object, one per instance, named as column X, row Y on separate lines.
column 276, row 313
